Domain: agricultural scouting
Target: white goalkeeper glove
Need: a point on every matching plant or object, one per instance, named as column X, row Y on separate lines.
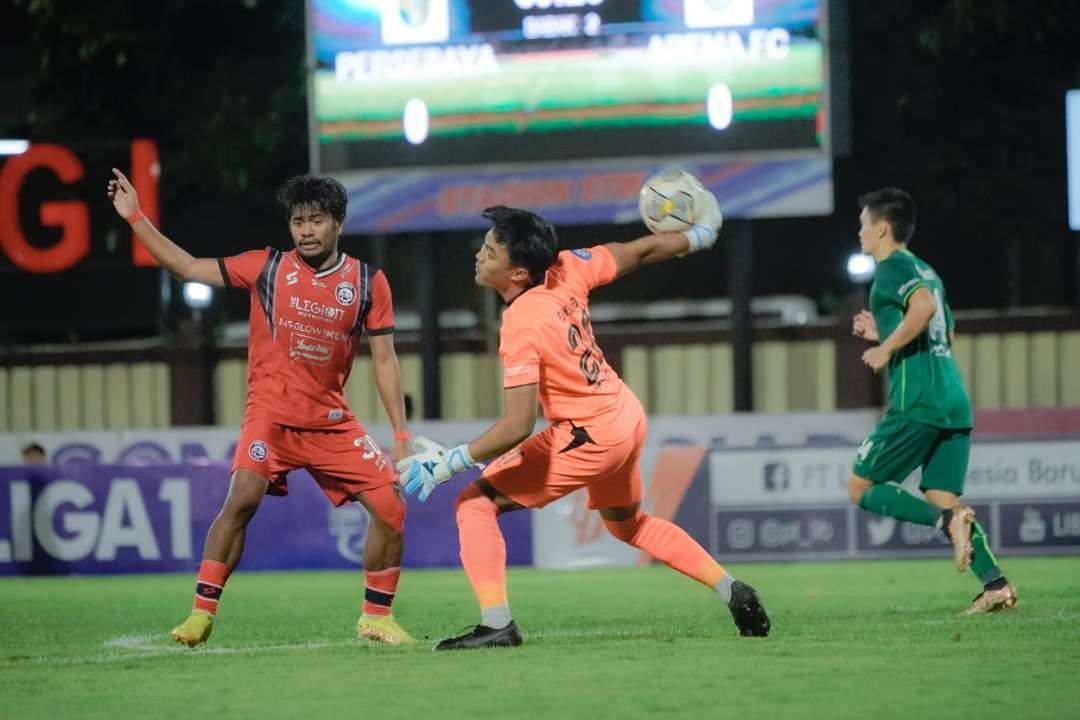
column 707, row 222
column 432, row 466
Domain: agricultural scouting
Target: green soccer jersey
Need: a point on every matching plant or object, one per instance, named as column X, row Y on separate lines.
column 925, row 384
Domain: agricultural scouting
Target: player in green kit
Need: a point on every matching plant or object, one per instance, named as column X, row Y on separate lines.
column 928, row 422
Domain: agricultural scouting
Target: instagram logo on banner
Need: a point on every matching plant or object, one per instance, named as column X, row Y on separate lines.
column 718, row 13
column 412, row 22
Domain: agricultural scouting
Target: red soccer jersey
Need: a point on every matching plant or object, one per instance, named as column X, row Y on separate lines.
column 547, row 338
column 304, row 331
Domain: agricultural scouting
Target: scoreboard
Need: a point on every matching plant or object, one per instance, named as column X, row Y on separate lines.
column 429, row 88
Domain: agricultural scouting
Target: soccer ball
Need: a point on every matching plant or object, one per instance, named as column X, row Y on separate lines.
column 668, row 201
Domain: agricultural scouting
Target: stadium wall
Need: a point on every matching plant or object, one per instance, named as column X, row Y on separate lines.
column 751, row 487
column 674, row 373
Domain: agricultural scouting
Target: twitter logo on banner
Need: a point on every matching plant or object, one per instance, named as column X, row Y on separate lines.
column 880, row 530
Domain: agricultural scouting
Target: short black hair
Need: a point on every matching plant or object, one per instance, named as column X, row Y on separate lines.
column 529, row 238
column 33, row 447
column 895, row 207
column 325, row 193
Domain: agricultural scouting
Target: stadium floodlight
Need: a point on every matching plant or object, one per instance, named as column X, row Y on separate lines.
column 14, row 147
column 860, row 267
column 197, row 295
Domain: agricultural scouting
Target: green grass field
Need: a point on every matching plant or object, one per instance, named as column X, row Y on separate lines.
column 859, row 639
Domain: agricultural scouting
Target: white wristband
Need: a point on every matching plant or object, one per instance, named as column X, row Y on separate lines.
column 458, row 458
column 700, row 237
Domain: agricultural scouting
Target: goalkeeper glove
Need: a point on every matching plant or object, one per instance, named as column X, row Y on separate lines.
column 707, row 221
column 432, row 466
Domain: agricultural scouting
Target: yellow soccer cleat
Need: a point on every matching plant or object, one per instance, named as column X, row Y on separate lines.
column 196, row 629
column 382, row 628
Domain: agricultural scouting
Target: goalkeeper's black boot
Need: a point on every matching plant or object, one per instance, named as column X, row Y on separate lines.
column 482, row 636
column 747, row 610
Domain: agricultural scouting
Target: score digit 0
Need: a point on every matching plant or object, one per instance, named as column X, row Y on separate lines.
column 719, row 106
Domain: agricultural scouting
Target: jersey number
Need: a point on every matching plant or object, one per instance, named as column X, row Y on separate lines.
column 939, row 329
column 582, row 337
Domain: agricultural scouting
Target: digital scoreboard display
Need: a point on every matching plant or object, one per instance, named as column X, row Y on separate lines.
column 441, row 86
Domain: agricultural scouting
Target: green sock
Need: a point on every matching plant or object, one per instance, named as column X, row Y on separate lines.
column 983, row 562
column 892, row 500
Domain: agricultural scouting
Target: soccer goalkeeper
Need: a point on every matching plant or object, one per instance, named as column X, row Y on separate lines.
column 597, row 426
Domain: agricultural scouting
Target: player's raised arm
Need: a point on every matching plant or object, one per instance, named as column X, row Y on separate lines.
column 629, row 256
column 175, row 259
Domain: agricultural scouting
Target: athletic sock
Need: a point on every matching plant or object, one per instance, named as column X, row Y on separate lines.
column 209, row 585
column 669, row 543
column 483, row 555
column 895, row 502
column 380, row 586
column 983, row 562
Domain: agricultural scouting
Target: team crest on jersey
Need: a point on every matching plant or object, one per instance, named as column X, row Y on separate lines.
column 346, row 293
column 583, row 254
column 258, row 451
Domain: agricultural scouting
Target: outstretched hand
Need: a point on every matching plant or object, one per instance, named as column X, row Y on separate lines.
column 122, row 195
column 707, row 221
column 433, row 465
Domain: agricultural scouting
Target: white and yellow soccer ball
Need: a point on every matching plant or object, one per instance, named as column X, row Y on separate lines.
column 671, row 201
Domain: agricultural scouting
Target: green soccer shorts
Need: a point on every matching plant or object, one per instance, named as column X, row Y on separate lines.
column 897, row 446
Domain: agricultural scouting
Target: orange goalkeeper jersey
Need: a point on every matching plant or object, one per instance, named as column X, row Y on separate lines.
column 547, row 339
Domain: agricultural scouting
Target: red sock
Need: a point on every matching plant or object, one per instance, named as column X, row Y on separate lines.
column 209, row 585
column 483, row 550
column 380, row 586
column 668, row 543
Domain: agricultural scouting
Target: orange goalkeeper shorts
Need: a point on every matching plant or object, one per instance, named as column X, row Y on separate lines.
column 560, row 460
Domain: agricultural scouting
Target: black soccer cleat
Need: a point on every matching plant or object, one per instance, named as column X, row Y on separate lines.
column 747, row 610
column 482, row 636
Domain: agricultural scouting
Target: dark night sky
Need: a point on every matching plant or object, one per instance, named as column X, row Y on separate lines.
column 960, row 102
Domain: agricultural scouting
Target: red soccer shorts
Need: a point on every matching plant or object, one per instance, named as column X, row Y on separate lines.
column 343, row 462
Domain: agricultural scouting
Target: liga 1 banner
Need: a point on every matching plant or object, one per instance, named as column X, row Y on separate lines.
column 101, row 519
column 751, row 487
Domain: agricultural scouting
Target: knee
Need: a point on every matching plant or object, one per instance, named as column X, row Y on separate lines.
column 626, row 530
column 243, row 499
column 471, row 500
column 389, row 509
column 857, row 487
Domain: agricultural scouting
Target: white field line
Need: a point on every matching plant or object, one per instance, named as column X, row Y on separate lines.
column 138, row 647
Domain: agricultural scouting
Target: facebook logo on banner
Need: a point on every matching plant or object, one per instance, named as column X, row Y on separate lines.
column 1072, row 151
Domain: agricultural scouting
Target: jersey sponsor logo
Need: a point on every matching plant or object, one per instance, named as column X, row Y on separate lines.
column 324, row 333
column 864, row 449
column 290, row 278
column 517, row 370
column 311, row 350
column 346, row 293
column 315, row 310
column 335, row 414
column 583, row 254
column 907, row 286
column 258, row 451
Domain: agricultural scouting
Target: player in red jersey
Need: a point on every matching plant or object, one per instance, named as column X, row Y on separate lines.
column 596, row 425
column 309, row 307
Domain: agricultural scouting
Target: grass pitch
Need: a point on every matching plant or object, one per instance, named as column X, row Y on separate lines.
column 859, row 639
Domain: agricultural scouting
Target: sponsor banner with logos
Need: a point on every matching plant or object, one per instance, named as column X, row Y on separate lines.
column 1039, row 526
column 96, row 519
column 780, row 481
column 817, row 532
column 807, row 474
